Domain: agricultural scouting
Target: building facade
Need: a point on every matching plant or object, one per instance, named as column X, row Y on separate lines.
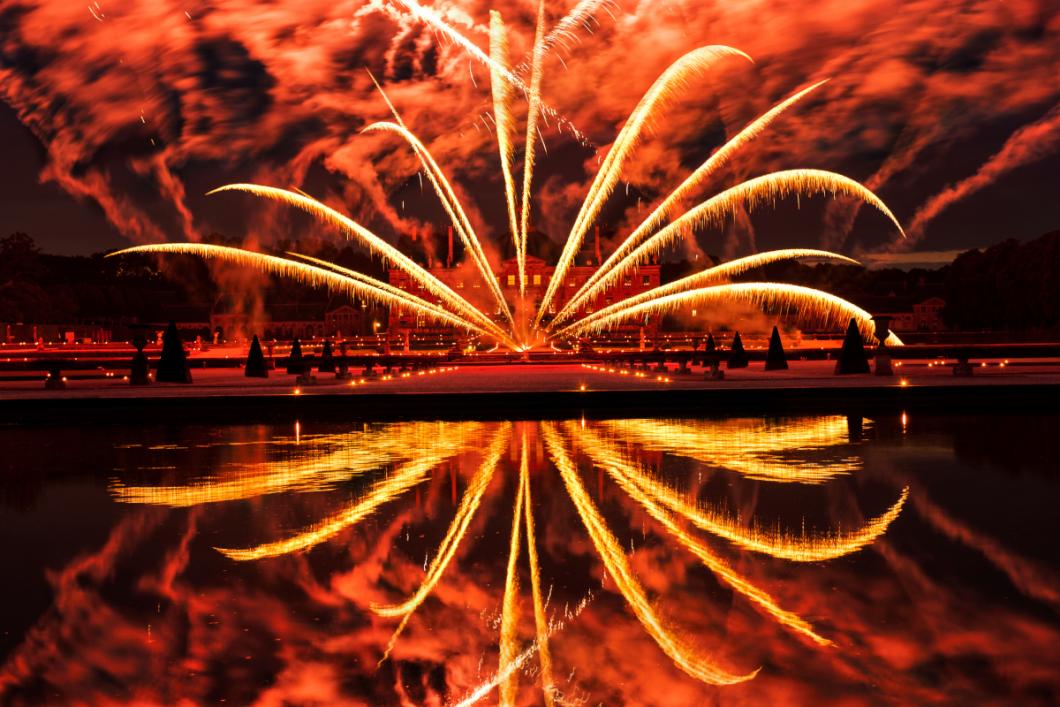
column 468, row 284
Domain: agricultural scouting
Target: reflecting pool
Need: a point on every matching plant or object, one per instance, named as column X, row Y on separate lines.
column 622, row 561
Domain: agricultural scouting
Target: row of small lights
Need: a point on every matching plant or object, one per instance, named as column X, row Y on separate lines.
column 624, row 372
column 392, row 376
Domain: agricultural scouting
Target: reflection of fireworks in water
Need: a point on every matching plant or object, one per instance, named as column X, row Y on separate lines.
column 415, row 450
column 643, row 243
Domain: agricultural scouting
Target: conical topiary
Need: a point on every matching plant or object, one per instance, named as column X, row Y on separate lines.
column 327, row 358
column 775, row 358
column 256, row 366
column 852, row 358
column 737, row 354
column 710, row 347
column 173, row 364
column 295, row 360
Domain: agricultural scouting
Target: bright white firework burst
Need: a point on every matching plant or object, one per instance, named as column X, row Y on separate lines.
column 666, row 224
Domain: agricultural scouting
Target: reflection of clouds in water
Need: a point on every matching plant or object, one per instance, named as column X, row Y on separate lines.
column 306, row 620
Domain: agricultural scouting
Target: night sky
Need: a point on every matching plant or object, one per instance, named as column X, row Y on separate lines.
column 116, row 118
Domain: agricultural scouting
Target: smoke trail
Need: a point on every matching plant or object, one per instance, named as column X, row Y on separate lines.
column 1029, row 143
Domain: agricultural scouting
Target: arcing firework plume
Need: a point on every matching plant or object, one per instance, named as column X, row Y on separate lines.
column 329, row 276
column 665, row 87
column 568, row 315
column 714, row 276
column 693, row 181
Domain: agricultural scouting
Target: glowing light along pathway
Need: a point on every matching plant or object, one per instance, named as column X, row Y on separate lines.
column 510, row 608
column 469, row 504
column 713, row 276
column 750, row 194
column 678, row 75
column 699, row 667
column 377, row 246
column 444, row 189
column 809, row 305
column 694, row 181
column 540, row 619
column 406, row 477
column 362, row 285
column 502, row 100
column 619, row 472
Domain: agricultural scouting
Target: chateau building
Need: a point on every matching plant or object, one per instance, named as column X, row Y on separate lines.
column 467, row 282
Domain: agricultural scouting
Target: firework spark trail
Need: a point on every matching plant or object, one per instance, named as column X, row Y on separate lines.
column 433, row 19
column 621, row 473
column 713, row 276
column 502, row 100
column 375, row 245
column 444, row 189
column 403, row 479
column 676, row 77
column 356, row 453
column 311, row 275
column 695, row 180
column 361, row 277
column 510, row 613
column 751, row 448
column 783, row 546
column 485, row 688
column 614, row 558
column 533, row 110
column 750, row 195
column 564, row 33
column 540, row 620
column 469, row 505
column 806, row 303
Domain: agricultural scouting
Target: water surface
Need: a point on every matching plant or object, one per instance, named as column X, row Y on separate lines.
column 641, row 561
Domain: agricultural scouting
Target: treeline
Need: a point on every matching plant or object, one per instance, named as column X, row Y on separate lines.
column 40, row 288
column 1011, row 286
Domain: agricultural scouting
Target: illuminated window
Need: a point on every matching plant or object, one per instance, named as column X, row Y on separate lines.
column 628, row 282
column 511, row 280
column 537, row 279
column 646, row 280
column 460, row 285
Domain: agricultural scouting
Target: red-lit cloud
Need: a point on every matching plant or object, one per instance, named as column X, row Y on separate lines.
column 142, row 107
